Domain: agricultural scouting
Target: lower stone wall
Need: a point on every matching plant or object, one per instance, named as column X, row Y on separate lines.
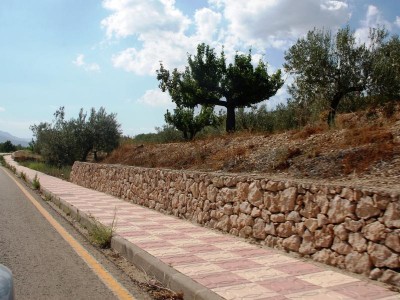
column 351, row 228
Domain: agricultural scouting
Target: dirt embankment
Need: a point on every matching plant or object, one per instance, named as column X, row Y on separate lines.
column 363, row 148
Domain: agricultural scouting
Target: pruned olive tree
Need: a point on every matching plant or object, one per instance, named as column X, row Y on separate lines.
column 328, row 66
column 62, row 142
column 209, row 81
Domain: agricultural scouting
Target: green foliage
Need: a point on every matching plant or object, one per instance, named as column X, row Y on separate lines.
column 337, row 68
column 164, row 134
column 7, row 147
column 100, row 234
column 2, row 161
column 209, row 81
column 23, row 176
column 36, row 183
column 62, row 142
column 185, row 120
column 60, row 172
column 385, row 77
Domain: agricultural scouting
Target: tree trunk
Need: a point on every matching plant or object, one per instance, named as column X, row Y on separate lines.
column 230, row 119
column 333, row 107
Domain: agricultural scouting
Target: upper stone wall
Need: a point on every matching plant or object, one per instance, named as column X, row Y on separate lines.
column 351, row 228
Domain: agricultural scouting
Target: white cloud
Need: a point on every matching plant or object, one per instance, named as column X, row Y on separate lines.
column 79, row 61
column 207, row 22
column 165, row 34
column 156, row 98
column 2, row 109
column 275, row 23
column 131, row 17
column 373, row 18
column 397, row 22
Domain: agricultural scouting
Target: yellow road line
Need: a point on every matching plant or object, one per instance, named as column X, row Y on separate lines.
column 97, row 268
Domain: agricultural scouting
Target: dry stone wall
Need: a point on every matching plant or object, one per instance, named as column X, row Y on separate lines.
column 351, row 228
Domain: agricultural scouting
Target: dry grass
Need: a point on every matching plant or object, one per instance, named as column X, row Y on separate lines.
column 372, row 134
column 356, row 145
column 309, row 130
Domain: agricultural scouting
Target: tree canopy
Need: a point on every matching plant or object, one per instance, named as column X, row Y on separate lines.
column 62, row 142
column 189, row 123
column 208, row 80
column 332, row 67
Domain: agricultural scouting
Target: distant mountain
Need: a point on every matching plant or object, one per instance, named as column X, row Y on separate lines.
column 5, row 136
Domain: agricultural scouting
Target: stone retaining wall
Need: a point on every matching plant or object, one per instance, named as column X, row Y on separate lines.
column 351, row 228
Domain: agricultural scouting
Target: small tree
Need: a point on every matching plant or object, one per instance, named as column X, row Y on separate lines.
column 62, row 142
column 185, row 120
column 208, row 80
column 7, row 146
column 329, row 67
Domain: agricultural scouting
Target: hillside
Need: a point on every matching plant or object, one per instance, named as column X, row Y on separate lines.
column 363, row 148
column 5, row 136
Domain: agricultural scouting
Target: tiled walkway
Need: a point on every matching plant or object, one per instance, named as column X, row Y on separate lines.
column 224, row 264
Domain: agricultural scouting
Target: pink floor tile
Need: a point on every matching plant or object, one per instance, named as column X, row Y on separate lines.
column 298, row 268
column 153, row 244
column 238, row 264
column 200, row 248
column 363, row 290
column 253, row 252
column 215, row 239
column 220, row 279
column 185, row 259
column 287, row 285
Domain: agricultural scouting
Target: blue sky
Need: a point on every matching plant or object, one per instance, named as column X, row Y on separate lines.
column 94, row 53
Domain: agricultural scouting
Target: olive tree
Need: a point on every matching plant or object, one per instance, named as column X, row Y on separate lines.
column 62, row 142
column 208, row 80
column 328, row 66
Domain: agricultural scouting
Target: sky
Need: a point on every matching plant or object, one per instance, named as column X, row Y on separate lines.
column 93, row 53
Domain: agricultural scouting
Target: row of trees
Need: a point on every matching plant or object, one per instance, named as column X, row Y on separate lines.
column 8, row 147
column 62, row 141
column 326, row 68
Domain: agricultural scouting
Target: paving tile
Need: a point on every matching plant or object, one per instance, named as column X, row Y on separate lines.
column 246, row 291
column 215, row 239
column 184, row 259
column 167, row 251
column 288, row 285
column 152, row 244
column 256, row 252
column 219, row 279
column 298, row 268
column 319, row 294
column 234, row 245
column 260, row 274
column 200, row 248
column 327, row 278
column 199, row 268
column 218, row 256
column 238, row 264
column 363, row 290
column 274, row 259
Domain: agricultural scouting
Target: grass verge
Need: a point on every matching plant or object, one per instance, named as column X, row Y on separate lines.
column 62, row 172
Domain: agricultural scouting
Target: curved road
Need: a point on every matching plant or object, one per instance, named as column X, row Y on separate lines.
column 43, row 263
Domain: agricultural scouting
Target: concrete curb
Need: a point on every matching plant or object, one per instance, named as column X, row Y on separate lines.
column 167, row 275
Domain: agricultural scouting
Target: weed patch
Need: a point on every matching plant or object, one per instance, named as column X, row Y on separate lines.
column 36, row 183
column 23, row 176
column 100, row 234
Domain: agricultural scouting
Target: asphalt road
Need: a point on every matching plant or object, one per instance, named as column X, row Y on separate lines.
column 43, row 263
